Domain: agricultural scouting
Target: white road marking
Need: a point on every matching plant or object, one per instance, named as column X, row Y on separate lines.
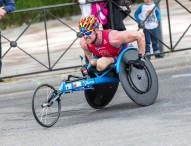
column 181, row 75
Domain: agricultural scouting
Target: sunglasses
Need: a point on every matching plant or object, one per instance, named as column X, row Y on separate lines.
column 87, row 33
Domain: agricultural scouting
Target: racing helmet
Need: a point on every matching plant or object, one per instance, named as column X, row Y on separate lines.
column 88, row 23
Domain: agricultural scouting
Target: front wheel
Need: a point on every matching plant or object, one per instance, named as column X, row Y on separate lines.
column 46, row 105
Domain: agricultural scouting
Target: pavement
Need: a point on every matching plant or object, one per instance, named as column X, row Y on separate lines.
column 30, row 82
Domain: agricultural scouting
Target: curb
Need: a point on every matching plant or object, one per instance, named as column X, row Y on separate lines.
column 21, row 86
column 55, row 79
column 30, row 83
column 171, row 62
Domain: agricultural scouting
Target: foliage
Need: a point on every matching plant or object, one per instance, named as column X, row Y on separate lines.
column 19, row 18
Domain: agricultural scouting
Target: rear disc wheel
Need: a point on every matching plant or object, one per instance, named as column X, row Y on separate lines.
column 101, row 95
column 141, row 85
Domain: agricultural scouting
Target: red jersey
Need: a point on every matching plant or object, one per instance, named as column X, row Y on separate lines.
column 105, row 49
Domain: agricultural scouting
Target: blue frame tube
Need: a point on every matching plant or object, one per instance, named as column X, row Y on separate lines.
column 83, row 84
column 87, row 83
column 120, row 56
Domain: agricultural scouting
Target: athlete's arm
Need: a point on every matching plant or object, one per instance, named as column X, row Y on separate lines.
column 116, row 38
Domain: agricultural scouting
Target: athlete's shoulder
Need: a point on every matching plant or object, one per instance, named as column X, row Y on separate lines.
column 116, row 37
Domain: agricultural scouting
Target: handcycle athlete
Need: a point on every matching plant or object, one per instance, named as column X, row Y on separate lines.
column 106, row 44
column 111, row 61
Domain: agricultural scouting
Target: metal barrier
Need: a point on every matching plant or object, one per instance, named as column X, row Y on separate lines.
column 50, row 65
column 171, row 47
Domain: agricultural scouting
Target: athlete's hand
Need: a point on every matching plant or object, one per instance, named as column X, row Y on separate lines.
column 139, row 63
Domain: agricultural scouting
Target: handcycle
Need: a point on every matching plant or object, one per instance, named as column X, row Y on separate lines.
column 141, row 86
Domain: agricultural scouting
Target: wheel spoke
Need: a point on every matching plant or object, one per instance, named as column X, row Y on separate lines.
column 41, row 118
column 45, row 114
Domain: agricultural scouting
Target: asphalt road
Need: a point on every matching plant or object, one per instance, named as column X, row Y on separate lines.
column 121, row 123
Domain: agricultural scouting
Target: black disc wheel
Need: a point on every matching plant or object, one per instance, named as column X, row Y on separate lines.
column 141, row 85
column 46, row 105
column 101, row 95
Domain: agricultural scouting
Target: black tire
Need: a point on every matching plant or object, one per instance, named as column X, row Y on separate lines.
column 46, row 116
column 101, row 95
column 140, row 85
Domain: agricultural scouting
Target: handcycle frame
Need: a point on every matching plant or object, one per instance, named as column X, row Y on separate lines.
column 83, row 83
column 87, row 83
